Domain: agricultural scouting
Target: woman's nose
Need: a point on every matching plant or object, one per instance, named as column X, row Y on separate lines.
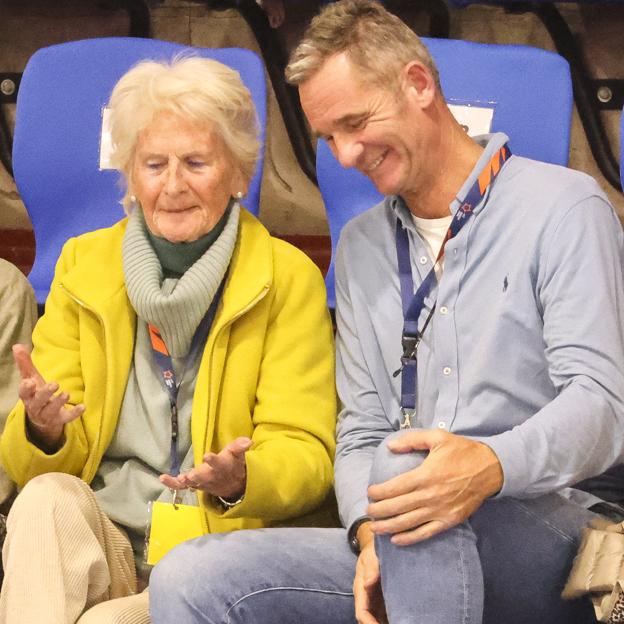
column 175, row 178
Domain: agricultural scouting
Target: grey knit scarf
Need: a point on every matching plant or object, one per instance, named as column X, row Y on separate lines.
column 177, row 311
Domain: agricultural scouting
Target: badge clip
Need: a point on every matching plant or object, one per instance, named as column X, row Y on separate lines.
column 407, row 419
column 177, row 498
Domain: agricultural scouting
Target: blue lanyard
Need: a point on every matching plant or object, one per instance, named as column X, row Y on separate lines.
column 414, row 303
column 165, row 364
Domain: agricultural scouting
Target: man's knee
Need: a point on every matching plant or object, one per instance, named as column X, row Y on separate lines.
column 387, row 464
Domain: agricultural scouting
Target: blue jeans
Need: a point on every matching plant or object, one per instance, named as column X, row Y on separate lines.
column 506, row 565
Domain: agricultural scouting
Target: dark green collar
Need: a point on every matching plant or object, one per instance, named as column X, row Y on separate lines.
column 176, row 258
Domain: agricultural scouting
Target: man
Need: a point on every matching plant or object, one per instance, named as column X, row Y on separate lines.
column 480, row 356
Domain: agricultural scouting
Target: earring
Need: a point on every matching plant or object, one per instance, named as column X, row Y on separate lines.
column 239, row 195
column 133, row 199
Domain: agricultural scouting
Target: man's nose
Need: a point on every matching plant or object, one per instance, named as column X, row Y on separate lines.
column 347, row 150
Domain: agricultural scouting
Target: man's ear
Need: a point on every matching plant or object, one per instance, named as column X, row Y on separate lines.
column 418, row 83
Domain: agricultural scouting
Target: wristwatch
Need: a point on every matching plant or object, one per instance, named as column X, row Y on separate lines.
column 354, row 543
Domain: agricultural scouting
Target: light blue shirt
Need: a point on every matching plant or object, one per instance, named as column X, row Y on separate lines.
column 525, row 350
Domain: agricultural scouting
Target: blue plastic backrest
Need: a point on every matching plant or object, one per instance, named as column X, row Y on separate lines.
column 530, row 90
column 57, row 136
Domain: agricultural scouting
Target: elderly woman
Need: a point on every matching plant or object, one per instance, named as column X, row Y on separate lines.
column 182, row 348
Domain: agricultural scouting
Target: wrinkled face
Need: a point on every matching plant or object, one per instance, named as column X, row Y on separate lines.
column 369, row 128
column 183, row 177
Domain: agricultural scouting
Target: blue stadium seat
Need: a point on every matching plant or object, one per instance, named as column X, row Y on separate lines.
column 57, row 136
column 592, row 94
column 530, row 91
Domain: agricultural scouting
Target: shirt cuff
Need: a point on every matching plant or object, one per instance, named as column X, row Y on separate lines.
column 513, row 459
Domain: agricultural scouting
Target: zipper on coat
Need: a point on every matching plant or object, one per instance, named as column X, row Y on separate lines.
column 261, row 295
column 89, row 477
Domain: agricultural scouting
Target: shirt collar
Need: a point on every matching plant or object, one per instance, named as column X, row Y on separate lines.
column 490, row 143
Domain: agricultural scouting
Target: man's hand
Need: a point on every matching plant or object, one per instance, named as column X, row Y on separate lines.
column 457, row 475
column 45, row 410
column 369, row 604
column 222, row 474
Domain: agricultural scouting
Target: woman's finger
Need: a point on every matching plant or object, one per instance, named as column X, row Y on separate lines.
column 199, row 477
column 51, row 411
column 72, row 413
column 239, row 446
column 233, row 450
column 25, row 365
column 224, row 466
column 26, row 390
column 173, row 483
column 40, row 400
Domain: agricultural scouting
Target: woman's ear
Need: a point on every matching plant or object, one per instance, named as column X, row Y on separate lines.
column 239, row 184
column 128, row 174
column 418, row 82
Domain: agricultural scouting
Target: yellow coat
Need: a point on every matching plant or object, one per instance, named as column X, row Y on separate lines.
column 267, row 372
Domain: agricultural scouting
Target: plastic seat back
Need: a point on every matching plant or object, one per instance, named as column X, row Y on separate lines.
column 526, row 91
column 58, row 130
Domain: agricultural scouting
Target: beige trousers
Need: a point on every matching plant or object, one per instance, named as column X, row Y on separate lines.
column 65, row 561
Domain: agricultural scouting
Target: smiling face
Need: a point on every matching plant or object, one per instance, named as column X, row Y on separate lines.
column 380, row 132
column 183, row 177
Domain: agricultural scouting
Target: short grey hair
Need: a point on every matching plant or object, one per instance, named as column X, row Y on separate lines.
column 376, row 41
column 196, row 89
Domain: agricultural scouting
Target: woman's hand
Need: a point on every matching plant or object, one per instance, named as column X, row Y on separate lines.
column 45, row 410
column 222, row 474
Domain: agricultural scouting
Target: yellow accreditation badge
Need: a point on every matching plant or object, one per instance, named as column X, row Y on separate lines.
column 171, row 524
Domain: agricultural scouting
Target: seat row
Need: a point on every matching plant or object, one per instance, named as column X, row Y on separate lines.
column 60, row 145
